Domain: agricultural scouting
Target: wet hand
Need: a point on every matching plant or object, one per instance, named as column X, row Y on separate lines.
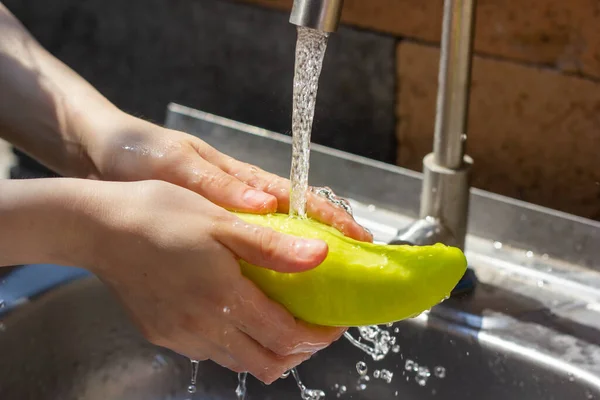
column 171, row 257
column 131, row 149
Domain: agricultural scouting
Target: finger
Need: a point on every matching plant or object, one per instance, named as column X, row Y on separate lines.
column 317, row 207
column 322, row 210
column 219, row 187
column 225, row 360
column 271, row 325
column 267, row 248
column 259, row 361
column 206, row 351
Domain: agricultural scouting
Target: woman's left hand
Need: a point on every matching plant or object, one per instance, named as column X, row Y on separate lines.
column 130, row 149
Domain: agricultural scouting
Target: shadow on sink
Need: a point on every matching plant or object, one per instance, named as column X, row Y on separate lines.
column 76, row 343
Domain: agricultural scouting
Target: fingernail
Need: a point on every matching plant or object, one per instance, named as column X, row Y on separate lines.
column 256, row 198
column 306, row 249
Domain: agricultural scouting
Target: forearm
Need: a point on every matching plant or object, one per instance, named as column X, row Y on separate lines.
column 46, row 109
column 47, row 221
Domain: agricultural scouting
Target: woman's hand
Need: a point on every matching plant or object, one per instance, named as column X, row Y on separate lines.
column 171, row 257
column 129, row 149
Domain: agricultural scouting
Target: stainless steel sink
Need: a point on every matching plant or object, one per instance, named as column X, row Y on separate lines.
column 76, row 343
column 530, row 330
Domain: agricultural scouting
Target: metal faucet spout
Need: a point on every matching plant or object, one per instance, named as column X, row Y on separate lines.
column 446, row 180
column 323, row 15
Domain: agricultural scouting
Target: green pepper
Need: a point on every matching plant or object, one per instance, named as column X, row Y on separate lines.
column 358, row 283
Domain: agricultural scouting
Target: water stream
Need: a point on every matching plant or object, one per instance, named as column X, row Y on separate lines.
column 240, row 390
column 192, row 386
column 310, row 52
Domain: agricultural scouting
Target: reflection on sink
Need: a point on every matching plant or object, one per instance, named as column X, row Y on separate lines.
column 76, row 343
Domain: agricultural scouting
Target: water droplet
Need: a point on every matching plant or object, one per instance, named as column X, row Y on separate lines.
column 194, row 375
column 387, row 375
column 341, row 391
column 376, row 374
column 226, row 310
column 497, row 245
column 409, row 365
column 541, row 283
column 396, row 330
column 467, row 353
column 529, row 254
column 371, row 208
column 545, row 256
column 361, row 368
column 390, row 324
column 2, row 303
column 423, row 372
column 439, row 372
column 396, row 349
column 421, row 380
column 571, row 378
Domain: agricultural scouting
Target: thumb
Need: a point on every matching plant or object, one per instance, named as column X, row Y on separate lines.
column 267, row 248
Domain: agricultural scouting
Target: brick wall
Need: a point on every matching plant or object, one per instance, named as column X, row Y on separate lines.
column 534, row 125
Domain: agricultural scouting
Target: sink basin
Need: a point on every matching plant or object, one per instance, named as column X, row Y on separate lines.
column 76, row 343
column 530, row 330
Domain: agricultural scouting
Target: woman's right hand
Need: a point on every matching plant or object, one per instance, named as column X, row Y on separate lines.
column 171, row 257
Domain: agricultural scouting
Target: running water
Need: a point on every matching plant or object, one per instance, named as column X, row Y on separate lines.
column 310, row 52
column 307, row 394
column 240, row 391
column 192, row 387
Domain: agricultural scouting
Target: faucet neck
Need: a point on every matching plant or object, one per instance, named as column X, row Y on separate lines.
column 323, row 15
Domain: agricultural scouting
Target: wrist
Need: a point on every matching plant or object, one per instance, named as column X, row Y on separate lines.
column 105, row 137
column 92, row 131
column 49, row 221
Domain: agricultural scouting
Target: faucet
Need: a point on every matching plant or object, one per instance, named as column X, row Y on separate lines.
column 444, row 206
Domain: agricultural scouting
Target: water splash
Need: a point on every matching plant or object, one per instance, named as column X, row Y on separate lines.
column 383, row 374
column 240, row 390
column 305, row 393
column 328, row 194
column 310, row 52
column 340, row 389
column 423, row 373
column 381, row 342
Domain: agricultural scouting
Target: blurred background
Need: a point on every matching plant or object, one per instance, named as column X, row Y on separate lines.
column 534, row 127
